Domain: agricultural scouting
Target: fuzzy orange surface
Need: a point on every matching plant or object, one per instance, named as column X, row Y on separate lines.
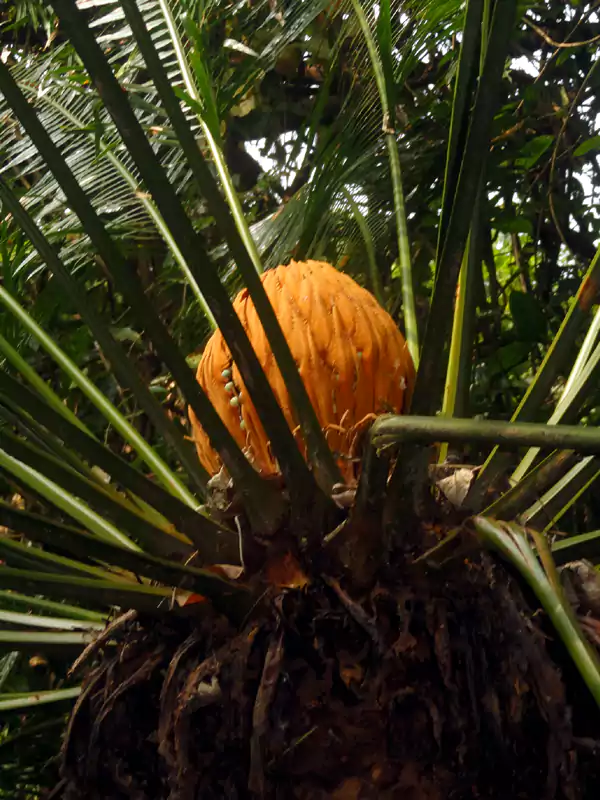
column 353, row 360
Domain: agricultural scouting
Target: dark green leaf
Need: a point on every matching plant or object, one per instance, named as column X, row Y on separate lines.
column 530, row 153
column 528, row 317
column 587, row 146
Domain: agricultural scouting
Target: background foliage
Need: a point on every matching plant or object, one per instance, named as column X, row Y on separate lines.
column 303, row 109
column 301, row 123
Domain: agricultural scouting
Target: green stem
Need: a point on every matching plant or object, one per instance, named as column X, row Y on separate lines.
column 410, row 316
column 584, row 546
column 120, row 423
column 209, row 537
column 111, row 506
column 125, row 370
column 17, row 554
column 430, row 379
column 548, row 509
column 283, row 444
column 228, row 598
column 63, row 500
column 557, row 355
column 50, row 623
column 393, row 430
column 18, row 700
column 128, row 283
column 472, row 34
column 460, row 361
column 42, row 603
column 404, row 257
column 215, row 147
column 584, row 354
column 31, row 430
column 319, row 454
column 97, row 593
column 369, row 247
column 568, row 406
column 83, row 545
column 512, row 542
column 145, row 201
column 533, row 485
column 40, row 385
column 454, row 360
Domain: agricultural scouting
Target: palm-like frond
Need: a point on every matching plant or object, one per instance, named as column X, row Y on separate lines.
column 108, row 174
column 71, row 112
column 345, row 147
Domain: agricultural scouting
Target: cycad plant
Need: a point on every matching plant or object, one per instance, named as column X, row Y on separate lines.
column 301, row 594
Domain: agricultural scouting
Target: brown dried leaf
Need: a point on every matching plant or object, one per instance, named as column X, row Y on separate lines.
column 456, row 486
column 260, row 716
column 285, row 571
column 350, row 789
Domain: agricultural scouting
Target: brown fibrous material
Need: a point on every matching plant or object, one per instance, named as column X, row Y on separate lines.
column 422, row 689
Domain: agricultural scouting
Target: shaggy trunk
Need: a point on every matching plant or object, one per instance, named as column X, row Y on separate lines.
column 432, row 684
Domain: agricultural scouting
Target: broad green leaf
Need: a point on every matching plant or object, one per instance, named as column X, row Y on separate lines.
column 587, row 146
column 531, row 152
column 528, row 317
column 507, row 358
column 510, row 224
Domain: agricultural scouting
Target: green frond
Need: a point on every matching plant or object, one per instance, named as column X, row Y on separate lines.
column 156, row 157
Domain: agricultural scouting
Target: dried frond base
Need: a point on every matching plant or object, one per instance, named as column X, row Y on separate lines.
column 436, row 688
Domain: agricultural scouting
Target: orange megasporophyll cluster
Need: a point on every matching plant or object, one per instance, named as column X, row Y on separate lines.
column 353, row 360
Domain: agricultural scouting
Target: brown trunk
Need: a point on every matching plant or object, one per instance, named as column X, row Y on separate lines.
column 431, row 687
